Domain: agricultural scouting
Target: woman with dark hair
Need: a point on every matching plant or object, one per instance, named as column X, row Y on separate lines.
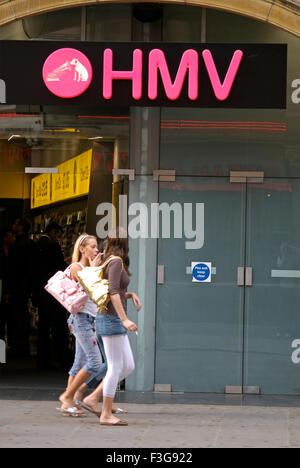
column 112, row 325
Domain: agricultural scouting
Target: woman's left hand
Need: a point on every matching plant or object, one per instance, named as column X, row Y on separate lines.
column 136, row 301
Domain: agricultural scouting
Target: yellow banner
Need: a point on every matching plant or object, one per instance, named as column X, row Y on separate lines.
column 72, row 180
column 82, row 169
column 56, row 187
column 67, row 172
column 41, row 190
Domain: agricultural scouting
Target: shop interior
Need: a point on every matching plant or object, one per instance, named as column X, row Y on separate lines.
column 85, row 144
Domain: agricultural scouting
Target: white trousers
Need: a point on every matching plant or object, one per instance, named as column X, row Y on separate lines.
column 120, row 362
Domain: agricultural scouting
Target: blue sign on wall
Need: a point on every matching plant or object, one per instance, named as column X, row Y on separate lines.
column 201, row 272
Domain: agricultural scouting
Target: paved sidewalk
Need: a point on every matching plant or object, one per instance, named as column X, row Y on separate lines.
column 38, row 424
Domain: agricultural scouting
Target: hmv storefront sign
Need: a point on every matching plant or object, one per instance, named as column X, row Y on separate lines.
column 143, row 74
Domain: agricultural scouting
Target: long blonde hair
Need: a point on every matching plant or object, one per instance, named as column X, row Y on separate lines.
column 82, row 241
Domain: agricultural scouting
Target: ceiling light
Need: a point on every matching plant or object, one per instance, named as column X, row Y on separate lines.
column 41, row 170
column 14, row 136
column 63, row 130
column 95, row 138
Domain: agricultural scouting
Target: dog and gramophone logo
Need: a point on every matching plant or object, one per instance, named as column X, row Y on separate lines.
column 67, row 73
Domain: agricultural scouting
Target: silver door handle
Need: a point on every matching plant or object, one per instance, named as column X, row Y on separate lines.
column 249, row 279
column 160, row 274
column 241, row 276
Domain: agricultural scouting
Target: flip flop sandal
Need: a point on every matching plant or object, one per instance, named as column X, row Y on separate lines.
column 121, row 422
column 77, row 403
column 60, row 409
column 119, row 411
column 88, row 408
column 73, row 412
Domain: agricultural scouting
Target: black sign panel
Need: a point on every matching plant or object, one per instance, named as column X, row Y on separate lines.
column 152, row 74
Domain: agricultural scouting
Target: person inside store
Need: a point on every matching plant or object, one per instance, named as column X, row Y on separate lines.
column 8, row 240
column 51, row 314
column 112, row 325
column 22, row 259
column 15, row 226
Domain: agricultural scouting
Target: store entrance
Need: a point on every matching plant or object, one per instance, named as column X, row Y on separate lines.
column 69, row 153
column 240, row 332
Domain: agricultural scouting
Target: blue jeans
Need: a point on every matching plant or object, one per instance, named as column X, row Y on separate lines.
column 95, row 380
column 87, row 354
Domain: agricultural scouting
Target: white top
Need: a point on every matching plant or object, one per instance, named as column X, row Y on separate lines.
column 90, row 308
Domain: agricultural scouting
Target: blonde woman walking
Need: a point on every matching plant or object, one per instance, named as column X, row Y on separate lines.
column 88, row 358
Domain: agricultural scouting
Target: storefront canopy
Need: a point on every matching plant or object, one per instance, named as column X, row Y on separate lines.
column 283, row 14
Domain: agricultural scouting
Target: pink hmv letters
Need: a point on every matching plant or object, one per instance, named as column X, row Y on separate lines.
column 67, row 73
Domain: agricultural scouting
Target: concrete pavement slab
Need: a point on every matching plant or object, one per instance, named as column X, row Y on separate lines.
column 38, row 424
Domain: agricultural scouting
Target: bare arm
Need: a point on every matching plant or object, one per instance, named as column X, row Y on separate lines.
column 74, row 270
column 135, row 299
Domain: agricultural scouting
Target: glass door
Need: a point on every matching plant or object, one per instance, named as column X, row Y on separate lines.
column 242, row 329
column 199, row 330
column 272, row 302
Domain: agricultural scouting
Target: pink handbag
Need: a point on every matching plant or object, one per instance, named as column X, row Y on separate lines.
column 68, row 292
